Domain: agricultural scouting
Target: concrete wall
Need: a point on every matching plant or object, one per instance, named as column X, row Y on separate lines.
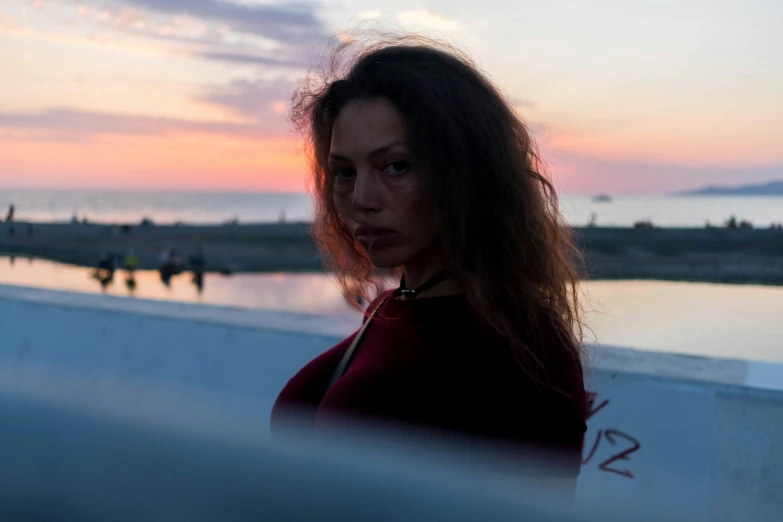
column 704, row 434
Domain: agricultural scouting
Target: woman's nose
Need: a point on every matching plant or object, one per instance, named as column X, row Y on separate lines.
column 367, row 192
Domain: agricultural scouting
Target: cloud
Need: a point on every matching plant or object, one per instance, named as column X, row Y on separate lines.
column 6, row 22
column 372, row 14
column 292, row 23
column 426, row 20
column 270, row 34
column 119, row 43
column 261, row 107
column 75, row 125
column 254, row 59
column 280, row 35
column 581, row 174
column 257, row 101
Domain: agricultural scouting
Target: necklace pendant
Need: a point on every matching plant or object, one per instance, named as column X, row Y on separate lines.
column 411, row 293
column 408, row 294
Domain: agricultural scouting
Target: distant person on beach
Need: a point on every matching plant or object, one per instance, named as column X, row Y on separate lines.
column 171, row 265
column 164, row 256
column 422, row 169
column 197, row 264
column 104, row 272
column 106, row 262
column 9, row 217
column 196, row 260
column 131, row 261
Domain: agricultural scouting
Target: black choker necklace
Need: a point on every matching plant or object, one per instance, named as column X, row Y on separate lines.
column 406, row 293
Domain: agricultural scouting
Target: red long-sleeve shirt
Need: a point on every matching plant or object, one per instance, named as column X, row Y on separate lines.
column 428, row 363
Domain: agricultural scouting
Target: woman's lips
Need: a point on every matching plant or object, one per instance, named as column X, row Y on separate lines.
column 373, row 238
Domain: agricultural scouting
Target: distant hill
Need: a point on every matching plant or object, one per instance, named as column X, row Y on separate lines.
column 773, row 188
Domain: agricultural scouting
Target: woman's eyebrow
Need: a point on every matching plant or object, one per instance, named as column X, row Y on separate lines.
column 376, row 152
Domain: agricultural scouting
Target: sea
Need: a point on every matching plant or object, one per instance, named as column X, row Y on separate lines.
column 208, row 207
column 734, row 321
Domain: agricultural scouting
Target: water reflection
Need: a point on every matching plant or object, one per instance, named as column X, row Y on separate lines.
column 130, row 283
column 198, row 265
column 739, row 321
column 104, row 277
column 110, row 264
column 303, row 292
column 172, row 265
column 198, row 280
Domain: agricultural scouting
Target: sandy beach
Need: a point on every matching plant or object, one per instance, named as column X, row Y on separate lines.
column 680, row 254
column 227, row 248
column 717, row 255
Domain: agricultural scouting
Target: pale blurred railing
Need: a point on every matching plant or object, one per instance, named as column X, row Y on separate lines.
column 64, row 462
column 117, row 408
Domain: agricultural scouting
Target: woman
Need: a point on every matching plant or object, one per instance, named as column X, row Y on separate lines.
column 422, row 168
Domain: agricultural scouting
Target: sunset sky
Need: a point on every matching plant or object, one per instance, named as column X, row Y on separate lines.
column 625, row 96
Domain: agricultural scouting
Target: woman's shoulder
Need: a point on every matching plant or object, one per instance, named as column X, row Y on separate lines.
column 492, row 391
column 547, row 364
column 309, row 384
column 381, row 297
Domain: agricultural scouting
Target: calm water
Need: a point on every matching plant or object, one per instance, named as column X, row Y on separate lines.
column 168, row 207
column 700, row 319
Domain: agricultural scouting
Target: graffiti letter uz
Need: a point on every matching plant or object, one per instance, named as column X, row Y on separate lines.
column 612, row 437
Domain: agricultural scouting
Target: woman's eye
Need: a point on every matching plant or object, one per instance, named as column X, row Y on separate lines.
column 395, row 168
column 342, row 174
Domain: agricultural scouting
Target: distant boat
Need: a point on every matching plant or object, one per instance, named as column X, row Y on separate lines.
column 602, row 198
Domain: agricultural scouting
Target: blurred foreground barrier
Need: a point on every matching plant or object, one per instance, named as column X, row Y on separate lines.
column 63, row 461
column 701, row 434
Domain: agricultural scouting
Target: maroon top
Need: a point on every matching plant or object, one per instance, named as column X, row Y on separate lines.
column 428, row 363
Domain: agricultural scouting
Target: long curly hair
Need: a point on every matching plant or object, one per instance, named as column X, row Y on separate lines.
column 502, row 235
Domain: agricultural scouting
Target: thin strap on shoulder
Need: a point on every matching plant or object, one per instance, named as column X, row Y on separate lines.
column 348, row 355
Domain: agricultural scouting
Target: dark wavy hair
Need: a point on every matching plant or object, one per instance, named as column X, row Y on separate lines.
column 502, row 236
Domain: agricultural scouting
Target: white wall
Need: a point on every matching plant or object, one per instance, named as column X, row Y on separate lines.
column 702, row 433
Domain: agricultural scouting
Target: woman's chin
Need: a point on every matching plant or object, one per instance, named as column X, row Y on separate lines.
column 385, row 258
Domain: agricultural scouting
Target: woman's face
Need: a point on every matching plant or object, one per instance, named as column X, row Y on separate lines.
column 378, row 188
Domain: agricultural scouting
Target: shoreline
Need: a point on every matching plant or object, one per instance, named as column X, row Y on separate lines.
column 752, row 256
